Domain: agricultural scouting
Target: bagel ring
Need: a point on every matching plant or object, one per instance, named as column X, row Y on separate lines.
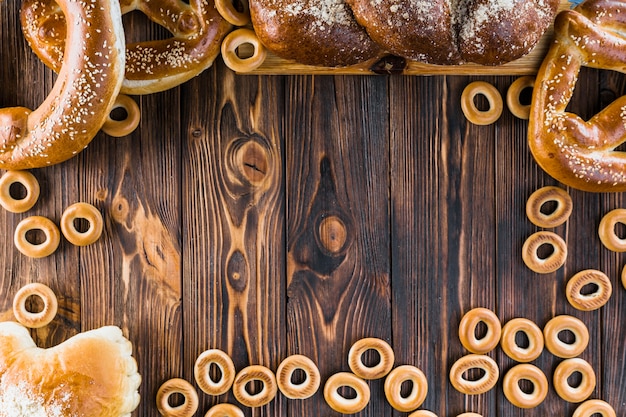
column 472, row 113
column 467, row 330
column 393, row 387
column 606, row 230
column 544, row 195
column 591, row 407
column 559, row 348
column 177, row 386
column 197, row 30
column 513, row 391
column 544, row 265
column 30, row 184
column 229, row 12
column 624, row 277
column 346, row 405
column 566, row 369
column 513, row 95
column 202, row 368
column 230, row 46
column 474, row 361
column 30, row 319
column 89, row 79
column 85, row 211
column 255, row 373
column 41, row 250
column 593, row 301
column 532, row 332
column 382, row 368
column 422, row 413
column 224, row 410
column 469, row 415
column 124, row 127
column 285, row 372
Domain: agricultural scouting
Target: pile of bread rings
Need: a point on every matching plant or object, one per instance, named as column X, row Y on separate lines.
column 282, row 381
column 505, row 336
column 73, row 214
column 560, row 213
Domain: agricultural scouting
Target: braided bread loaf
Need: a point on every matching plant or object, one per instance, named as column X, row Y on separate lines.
column 444, row 32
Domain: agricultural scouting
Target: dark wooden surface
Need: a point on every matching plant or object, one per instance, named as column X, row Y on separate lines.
column 212, row 236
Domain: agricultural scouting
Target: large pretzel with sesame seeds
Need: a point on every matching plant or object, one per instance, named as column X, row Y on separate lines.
column 576, row 152
column 89, row 80
column 197, row 31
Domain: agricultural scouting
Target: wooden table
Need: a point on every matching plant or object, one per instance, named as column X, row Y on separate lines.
column 274, row 215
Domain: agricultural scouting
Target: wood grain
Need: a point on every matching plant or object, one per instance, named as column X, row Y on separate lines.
column 274, row 215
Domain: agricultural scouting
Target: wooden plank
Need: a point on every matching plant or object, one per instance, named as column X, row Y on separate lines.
column 526, row 65
column 234, row 217
column 337, row 210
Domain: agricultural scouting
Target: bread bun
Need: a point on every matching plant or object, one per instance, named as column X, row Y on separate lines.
column 91, row 374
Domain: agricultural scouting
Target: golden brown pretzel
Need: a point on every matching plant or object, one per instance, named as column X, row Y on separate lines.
column 593, row 301
column 177, row 386
column 576, row 152
column 382, row 368
column 203, row 378
column 89, row 79
column 513, row 391
column 285, row 371
column 197, row 31
column 39, row 319
column 342, row 404
column 566, row 369
column 560, row 348
column 30, row 184
column 467, row 330
column 393, row 387
column 533, row 333
column 474, row 361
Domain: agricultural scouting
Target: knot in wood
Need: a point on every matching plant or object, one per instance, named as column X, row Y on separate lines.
column 332, row 234
column 120, row 209
column 253, row 162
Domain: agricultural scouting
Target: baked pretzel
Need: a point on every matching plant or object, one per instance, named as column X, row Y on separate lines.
column 576, row 152
column 90, row 77
column 197, row 31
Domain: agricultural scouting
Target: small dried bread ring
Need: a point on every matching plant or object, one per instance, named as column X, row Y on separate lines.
column 513, row 96
column 41, row 318
column 393, row 388
column 382, row 368
column 513, row 391
column 478, row 386
column 467, row 330
column 422, row 413
column 606, row 230
column 469, row 415
column 565, row 323
column 177, row 386
column 471, row 112
column 558, row 216
column 532, row 332
column 591, row 407
column 340, row 403
column 40, row 250
column 89, row 79
column 151, row 66
column 229, row 12
column 255, row 373
column 552, row 262
column 202, row 369
column 230, row 47
column 284, row 374
column 30, row 184
column 119, row 128
column 87, row 212
column 624, row 277
column 593, row 301
column 566, row 369
column 224, row 410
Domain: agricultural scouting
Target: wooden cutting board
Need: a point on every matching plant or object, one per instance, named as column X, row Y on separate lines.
column 527, row 65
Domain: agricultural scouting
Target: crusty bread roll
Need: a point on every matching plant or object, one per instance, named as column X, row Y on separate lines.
column 91, row 374
column 443, row 32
